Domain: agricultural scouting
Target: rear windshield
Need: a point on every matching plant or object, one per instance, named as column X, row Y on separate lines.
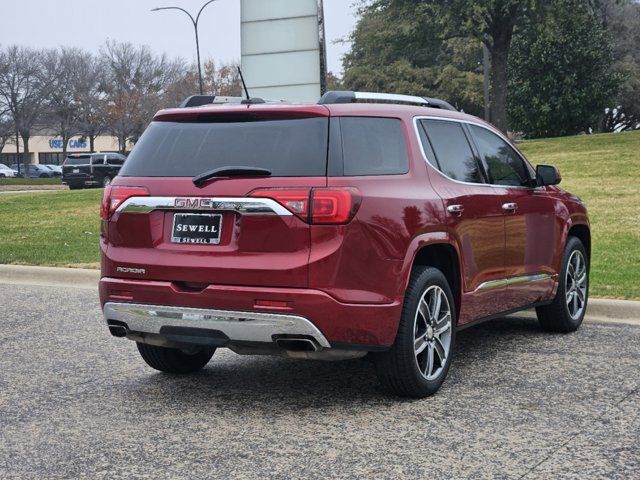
column 287, row 148
column 79, row 160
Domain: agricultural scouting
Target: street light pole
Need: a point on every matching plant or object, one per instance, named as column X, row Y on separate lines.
column 195, row 27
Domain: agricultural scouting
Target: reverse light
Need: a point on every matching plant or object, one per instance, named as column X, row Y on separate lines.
column 318, row 206
column 114, row 196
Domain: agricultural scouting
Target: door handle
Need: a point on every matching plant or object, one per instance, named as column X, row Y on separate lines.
column 510, row 207
column 455, row 209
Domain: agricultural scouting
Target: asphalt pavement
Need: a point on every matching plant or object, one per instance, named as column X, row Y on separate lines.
column 518, row 403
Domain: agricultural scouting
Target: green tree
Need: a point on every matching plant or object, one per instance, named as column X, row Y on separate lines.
column 399, row 46
column 493, row 22
column 561, row 78
column 622, row 19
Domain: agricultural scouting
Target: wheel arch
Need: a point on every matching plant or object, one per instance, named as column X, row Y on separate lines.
column 582, row 232
column 443, row 255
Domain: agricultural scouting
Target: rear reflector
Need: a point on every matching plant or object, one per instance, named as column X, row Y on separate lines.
column 318, row 206
column 114, row 196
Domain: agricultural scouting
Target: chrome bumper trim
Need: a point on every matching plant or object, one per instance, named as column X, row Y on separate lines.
column 244, row 206
column 238, row 326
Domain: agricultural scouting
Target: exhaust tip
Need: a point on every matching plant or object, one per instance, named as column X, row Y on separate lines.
column 118, row 329
column 297, row 344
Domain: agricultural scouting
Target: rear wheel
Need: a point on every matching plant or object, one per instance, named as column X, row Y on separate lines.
column 566, row 312
column 418, row 362
column 172, row 360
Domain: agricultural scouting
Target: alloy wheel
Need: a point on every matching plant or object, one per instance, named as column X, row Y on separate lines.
column 432, row 332
column 576, row 284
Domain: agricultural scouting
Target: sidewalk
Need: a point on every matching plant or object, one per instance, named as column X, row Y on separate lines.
column 599, row 309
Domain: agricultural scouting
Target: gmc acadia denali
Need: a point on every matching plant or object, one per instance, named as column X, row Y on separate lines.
column 365, row 224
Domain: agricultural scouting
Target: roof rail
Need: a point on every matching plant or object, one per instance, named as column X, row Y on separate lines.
column 200, row 100
column 331, row 98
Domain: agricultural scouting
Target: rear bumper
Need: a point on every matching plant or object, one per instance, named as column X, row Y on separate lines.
column 232, row 326
column 233, row 310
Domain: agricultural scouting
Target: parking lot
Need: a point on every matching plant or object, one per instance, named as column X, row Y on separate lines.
column 518, row 402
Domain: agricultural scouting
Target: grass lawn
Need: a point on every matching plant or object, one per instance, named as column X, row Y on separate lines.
column 604, row 171
column 62, row 228
column 31, row 181
column 52, row 228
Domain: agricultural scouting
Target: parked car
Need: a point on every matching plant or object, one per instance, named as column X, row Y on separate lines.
column 35, row 170
column 333, row 231
column 6, row 172
column 56, row 169
column 91, row 169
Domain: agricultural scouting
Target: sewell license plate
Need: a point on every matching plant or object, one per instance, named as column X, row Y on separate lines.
column 196, row 228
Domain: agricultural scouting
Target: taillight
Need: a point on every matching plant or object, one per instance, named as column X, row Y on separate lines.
column 114, row 196
column 294, row 200
column 318, row 206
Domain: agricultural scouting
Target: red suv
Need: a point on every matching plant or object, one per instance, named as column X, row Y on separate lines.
column 364, row 224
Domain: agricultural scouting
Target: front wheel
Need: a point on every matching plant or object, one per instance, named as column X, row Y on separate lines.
column 418, row 362
column 566, row 312
column 172, row 360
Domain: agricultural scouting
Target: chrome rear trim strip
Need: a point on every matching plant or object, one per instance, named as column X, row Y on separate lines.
column 244, row 206
column 504, row 282
column 238, row 326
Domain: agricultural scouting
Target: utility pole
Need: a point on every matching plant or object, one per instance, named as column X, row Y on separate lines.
column 323, row 48
column 487, row 75
column 195, row 27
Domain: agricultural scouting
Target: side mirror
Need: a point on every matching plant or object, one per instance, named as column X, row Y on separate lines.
column 547, row 175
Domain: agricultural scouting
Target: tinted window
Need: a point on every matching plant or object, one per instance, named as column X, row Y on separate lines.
column 503, row 164
column 113, row 160
column 78, row 160
column 285, row 147
column 373, row 146
column 453, row 152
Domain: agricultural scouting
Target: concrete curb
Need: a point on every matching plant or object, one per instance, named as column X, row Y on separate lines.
column 599, row 310
column 49, row 276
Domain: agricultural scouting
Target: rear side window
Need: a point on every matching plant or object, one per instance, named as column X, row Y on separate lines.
column 373, row 146
column 288, row 148
column 454, row 156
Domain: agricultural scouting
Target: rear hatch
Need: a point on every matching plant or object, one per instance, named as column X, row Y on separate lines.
column 240, row 228
column 77, row 168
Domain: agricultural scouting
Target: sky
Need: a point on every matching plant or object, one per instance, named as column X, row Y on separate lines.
column 89, row 23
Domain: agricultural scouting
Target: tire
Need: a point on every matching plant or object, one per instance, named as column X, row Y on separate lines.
column 106, row 181
column 2, row 175
column 172, row 360
column 564, row 315
column 401, row 370
column 74, row 187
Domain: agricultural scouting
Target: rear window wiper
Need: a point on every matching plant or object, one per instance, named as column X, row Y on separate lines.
column 198, row 180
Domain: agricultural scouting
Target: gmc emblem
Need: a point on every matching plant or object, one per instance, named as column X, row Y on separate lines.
column 193, row 203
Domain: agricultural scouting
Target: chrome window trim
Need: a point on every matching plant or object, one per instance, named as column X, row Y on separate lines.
column 505, row 282
column 416, row 127
column 243, row 206
column 237, row 325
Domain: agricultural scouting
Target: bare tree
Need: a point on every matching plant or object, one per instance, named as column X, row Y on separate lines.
column 7, row 130
column 222, row 80
column 62, row 108
column 23, row 89
column 91, row 98
column 136, row 82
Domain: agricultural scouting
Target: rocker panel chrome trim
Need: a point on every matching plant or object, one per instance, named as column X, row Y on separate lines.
column 504, row 282
column 238, row 326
